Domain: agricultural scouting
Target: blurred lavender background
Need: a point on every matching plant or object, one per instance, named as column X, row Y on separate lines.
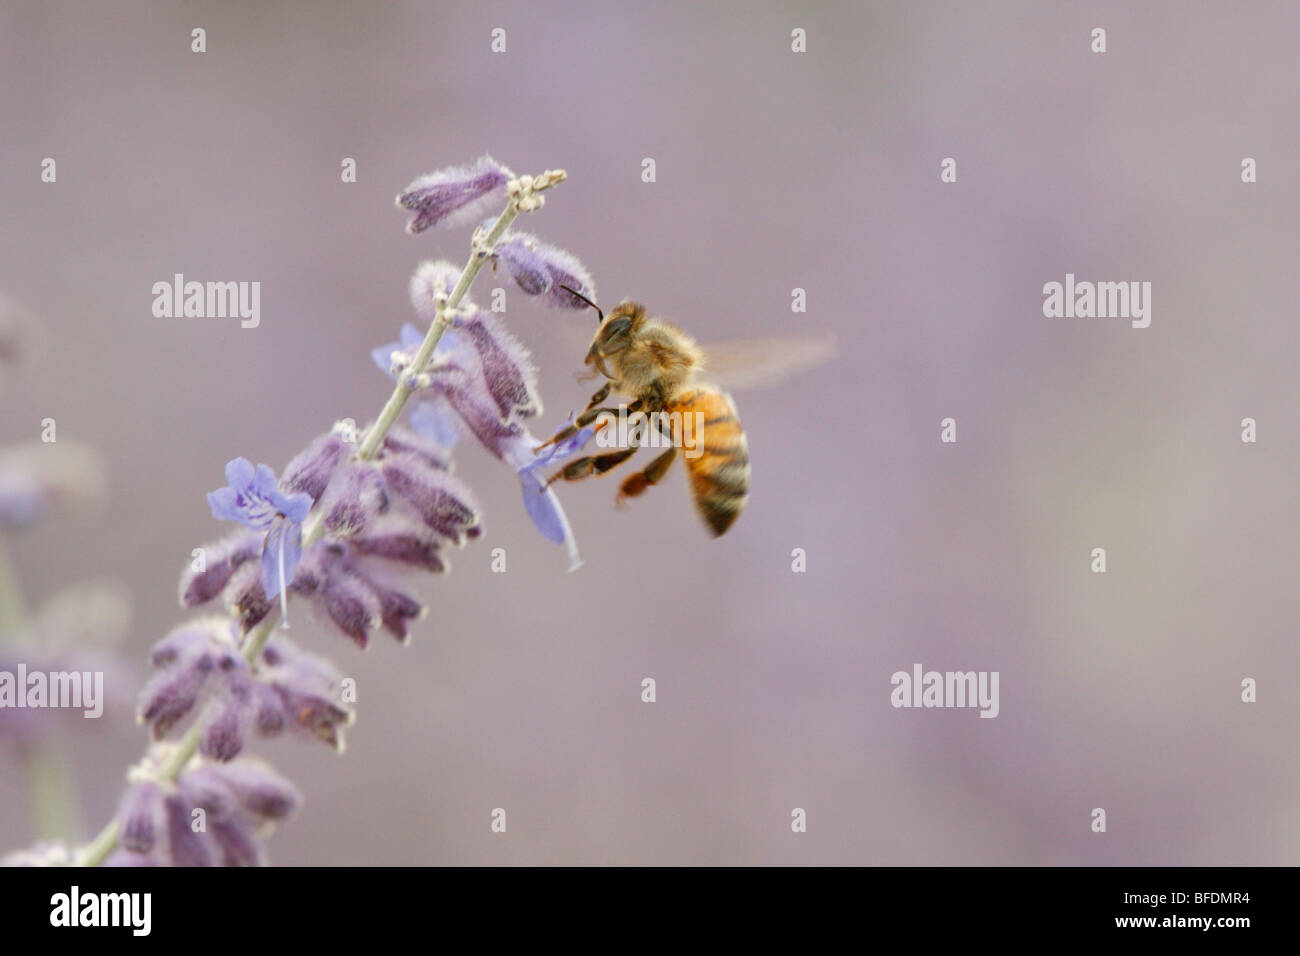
column 775, row 170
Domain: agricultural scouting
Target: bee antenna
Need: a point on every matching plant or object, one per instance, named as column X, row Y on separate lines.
column 576, row 294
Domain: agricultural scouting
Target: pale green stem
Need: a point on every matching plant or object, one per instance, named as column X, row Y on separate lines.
column 104, row 843
column 11, row 597
column 51, row 801
column 50, row 793
column 397, row 401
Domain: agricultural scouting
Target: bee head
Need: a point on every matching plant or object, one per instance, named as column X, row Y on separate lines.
column 615, row 332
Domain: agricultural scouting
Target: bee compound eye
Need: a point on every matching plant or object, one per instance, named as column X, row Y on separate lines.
column 616, row 333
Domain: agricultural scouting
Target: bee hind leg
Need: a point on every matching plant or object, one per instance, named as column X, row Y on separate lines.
column 653, row 473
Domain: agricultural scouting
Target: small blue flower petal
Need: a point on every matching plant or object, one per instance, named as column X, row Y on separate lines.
column 436, row 421
column 541, row 502
column 294, row 507
column 383, row 357
column 264, row 484
column 547, row 515
column 287, row 535
column 561, row 449
column 541, row 508
column 239, row 473
column 224, row 504
column 454, row 347
column 255, row 500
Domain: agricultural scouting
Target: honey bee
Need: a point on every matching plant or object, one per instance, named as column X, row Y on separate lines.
column 657, row 366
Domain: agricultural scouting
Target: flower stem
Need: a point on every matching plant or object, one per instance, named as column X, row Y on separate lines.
column 397, row 401
column 50, row 786
column 11, row 597
column 53, row 805
column 255, row 640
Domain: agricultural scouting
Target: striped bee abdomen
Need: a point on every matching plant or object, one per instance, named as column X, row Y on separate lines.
column 713, row 446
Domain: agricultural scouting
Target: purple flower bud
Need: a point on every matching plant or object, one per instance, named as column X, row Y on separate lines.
column 141, row 817
column 401, row 439
column 310, row 471
column 525, row 266
column 236, row 799
column 188, row 848
column 352, row 606
column 202, row 786
column 432, row 280
column 259, row 789
column 245, row 597
column 346, row 602
column 222, row 736
column 355, row 599
column 354, row 499
column 230, row 665
column 214, row 814
column 459, row 382
column 456, row 195
column 189, row 641
column 507, row 368
column 482, row 375
column 479, row 414
column 236, row 842
column 195, row 656
column 539, row 268
column 317, row 717
column 172, row 694
column 394, row 542
column 220, row 561
column 442, row 501
column 484, row 379
column 315, row 566
column 307, row 687
column 291, row 662
column 324, row 577
column 396, row 607
column 268, row 710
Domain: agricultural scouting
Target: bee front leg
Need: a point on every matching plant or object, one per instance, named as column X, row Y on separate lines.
column 581, row 468
column 589, row 415
column 586, row 417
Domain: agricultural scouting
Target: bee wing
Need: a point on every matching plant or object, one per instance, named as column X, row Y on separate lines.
column 759, row 363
